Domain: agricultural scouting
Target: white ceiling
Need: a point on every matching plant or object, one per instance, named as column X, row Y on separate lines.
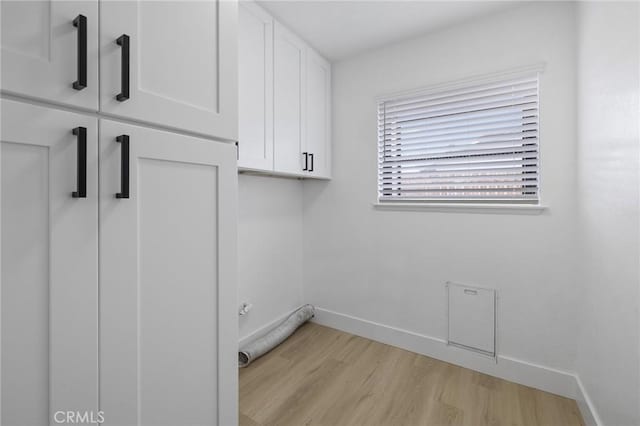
column 339, row 29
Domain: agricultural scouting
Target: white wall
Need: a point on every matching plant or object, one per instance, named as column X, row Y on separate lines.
column 269, row 249
column 391, row 267
column 608, row 158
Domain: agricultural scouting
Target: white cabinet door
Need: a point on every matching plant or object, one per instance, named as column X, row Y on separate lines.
column 255, row 63
column 289, row 65
column 317, row 142
column 168, row 322
column 41, row 54
column 182, row 61
column 48, row 265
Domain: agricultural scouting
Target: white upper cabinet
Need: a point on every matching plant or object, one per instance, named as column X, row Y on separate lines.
column 317, row 142
column 168, row 63
column 50, row 51
column 172, row 63
column 285, row 100
column 289, row 63
column 255, row 88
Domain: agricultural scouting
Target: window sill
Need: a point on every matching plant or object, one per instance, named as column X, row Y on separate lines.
column 522, row 209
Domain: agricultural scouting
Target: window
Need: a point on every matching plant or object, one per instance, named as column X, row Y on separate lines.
column 474, row 143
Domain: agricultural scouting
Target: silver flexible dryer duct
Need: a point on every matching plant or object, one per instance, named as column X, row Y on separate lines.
column 264, row 344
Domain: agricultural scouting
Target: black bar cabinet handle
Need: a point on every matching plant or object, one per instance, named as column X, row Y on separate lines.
column 311, row 168
column 124, row 166
column 81, row 134
column 81, row 23
column 123, row 41
column 306, row 161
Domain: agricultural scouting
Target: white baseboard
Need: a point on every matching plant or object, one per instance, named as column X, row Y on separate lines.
column 585, row 404
column 548, row 379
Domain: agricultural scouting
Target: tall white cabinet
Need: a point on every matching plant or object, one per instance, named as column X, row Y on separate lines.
column 118, row 213
column 284, row 102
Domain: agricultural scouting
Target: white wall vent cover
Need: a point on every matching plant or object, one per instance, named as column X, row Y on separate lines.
column 472, row 318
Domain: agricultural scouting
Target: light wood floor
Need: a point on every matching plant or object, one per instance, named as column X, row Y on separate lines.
column 321, row 376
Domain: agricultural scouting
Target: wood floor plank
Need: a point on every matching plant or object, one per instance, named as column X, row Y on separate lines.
column 353, row 394
column 246, row 421
column 324, row 377
column 299, row 405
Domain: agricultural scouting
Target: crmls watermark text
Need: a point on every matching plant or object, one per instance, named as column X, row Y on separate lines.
column 78, row 417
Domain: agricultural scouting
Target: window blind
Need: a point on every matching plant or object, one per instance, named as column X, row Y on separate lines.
column 475, row 143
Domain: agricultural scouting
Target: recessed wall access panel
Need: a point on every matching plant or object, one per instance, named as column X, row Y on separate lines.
column 472, row 318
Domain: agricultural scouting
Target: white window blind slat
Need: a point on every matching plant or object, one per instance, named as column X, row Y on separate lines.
column 454, row 149
column 468, row 138
column 465, row 90
column 457, row 107
column 467, row 196
column 454, row 133
column 482, row 176
column 459, row 184
column 504, row 120
column 465, row 153
column 391, row 148
column 473, row 143
column 462, row 101
column 471, row 160
column 530, row 107
column 462, row 178
column 450, row 110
